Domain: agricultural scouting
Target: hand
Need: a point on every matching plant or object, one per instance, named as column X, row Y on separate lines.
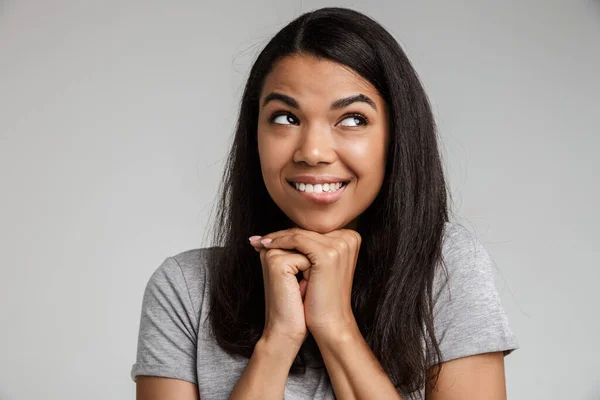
column 332, row 256
column 284, row 313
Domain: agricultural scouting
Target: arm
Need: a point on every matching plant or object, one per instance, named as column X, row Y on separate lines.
column 165, row 365
column 266, row 374
column 264, row 378
column 356, row 374
column 156, row 388
column 354, row 370
column 475, row 377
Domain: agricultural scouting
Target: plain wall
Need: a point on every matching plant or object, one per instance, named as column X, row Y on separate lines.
column 116, row 117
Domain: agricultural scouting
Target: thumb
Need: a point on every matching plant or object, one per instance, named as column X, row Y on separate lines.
column 304, row 282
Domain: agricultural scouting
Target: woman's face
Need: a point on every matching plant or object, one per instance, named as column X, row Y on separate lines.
column 322, row 141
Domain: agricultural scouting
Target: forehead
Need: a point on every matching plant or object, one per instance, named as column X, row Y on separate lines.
column 305, row 75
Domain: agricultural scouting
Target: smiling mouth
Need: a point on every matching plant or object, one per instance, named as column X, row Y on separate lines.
column 318, row 188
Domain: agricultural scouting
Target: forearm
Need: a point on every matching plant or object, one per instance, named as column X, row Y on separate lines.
column 266, row 373
column 355, row 372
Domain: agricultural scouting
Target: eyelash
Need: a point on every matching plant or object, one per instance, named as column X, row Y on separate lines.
column 365, row 120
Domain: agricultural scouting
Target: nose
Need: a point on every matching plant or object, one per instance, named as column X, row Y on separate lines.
column 315, row 145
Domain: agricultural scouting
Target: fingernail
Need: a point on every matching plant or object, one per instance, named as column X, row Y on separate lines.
column 253, row 238
column 266, row 241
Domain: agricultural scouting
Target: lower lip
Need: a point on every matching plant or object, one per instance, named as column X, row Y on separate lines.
column 323, row 197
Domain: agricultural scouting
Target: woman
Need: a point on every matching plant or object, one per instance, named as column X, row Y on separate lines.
column 354, row 284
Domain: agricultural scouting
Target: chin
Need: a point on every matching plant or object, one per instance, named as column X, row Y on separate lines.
column 319, row 226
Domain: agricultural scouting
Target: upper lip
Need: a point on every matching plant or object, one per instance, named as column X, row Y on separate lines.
column 316, row 179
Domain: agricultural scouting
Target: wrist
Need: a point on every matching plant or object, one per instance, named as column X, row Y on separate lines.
column 267, row 371
column 336, row 333
column 277, row 347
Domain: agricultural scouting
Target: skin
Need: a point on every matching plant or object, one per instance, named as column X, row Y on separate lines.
column 314, row 139
column 354, row 370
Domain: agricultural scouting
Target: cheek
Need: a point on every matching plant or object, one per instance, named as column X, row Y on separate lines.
column 366, row 158
column 272, row 155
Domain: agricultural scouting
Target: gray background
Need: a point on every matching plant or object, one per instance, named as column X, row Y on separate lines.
column 116, row 117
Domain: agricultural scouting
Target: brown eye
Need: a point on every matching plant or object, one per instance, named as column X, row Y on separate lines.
column 284, row 119
column 355, row 120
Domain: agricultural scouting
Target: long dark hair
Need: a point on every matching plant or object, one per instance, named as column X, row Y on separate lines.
column 402, row 230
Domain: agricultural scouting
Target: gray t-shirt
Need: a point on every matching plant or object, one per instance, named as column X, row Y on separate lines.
column 174, row 336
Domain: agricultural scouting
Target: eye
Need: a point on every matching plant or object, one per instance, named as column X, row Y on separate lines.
column 355, row 120
column 283, row 119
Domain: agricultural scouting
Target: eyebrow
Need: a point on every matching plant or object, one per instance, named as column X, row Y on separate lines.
column 336, row 105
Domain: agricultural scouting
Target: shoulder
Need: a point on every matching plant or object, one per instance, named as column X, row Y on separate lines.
column 172, row 308
column 182, row 277
column 464, row 256
column 191, row 264
column 468, row 314
column 459, row 241
column 467, row 268
column 195, row 263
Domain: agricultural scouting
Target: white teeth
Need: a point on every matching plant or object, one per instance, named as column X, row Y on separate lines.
column 318, row 188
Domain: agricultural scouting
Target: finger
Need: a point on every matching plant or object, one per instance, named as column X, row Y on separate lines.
column 270, row 253
column 293, row 262
column 257, row 246
column 255, row 242
column 299, row 242
column 303, row 285
column 306, row 275
column 275, row 234
column 351, row 237
column 348, row 235
column 309, row 235
column 263, row 253
column 293, row 231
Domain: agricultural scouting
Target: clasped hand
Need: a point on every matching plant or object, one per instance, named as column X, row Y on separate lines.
column 327, row 262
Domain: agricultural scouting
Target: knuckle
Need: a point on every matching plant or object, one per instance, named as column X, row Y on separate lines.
column 333, row 254
column 275, row 262
column 349, row 237
column 355, row 239
column 341, row 244
column 271, row 256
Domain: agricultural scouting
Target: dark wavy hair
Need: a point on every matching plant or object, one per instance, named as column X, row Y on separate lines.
column 402, row 230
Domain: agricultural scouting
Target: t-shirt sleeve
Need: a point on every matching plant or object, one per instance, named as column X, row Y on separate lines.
column 167, row 339
column 468, row 315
